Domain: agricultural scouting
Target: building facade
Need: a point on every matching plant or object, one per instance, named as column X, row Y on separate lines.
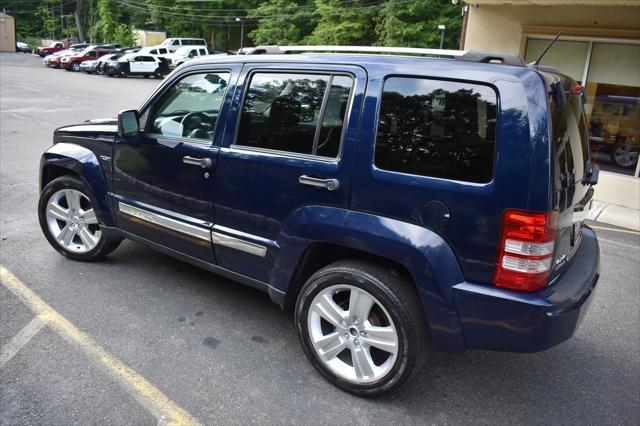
column 600, row 48
column 7, row 33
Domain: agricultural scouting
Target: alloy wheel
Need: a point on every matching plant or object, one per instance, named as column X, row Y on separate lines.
column 72, row 221
column 352, row 334
column 625, row 155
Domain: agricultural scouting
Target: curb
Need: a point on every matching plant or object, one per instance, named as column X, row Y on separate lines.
column 615, row 215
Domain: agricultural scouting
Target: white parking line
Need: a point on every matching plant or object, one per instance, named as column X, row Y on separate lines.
column 19, row 341
column 157, row 403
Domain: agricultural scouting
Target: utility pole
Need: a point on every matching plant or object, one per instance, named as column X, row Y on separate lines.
column 241, row 20
column 442, row 27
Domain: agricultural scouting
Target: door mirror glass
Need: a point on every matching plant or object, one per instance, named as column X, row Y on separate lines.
column 128, row 125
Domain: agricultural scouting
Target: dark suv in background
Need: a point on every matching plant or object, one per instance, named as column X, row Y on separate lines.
column 393, row 203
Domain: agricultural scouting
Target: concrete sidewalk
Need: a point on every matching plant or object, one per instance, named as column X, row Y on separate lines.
column 615, row 215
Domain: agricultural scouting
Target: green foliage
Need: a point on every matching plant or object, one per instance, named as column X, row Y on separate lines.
column 288, row 22
column 340, row 22
column 354, row 22
column 415, row 24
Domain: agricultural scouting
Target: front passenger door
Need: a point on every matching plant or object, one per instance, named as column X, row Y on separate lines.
column 163, row 179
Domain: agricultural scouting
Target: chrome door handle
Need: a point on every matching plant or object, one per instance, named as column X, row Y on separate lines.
column 328, row 184
column 205, row 163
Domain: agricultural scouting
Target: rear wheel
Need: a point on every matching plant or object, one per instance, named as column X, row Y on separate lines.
column 362, row 326
column 157, row 74
column 75, row 66
column 70, row 224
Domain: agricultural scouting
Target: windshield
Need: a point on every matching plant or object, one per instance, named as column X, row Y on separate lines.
column 53, row 44
column 184, row 51
column 166, row 42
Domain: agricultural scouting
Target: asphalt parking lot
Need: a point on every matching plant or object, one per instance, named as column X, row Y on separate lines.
column 141, row 338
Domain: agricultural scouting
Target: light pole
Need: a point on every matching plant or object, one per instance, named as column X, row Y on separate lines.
column 241, row 20
column 442, row 27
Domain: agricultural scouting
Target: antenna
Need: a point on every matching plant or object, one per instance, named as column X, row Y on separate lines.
column 535, row 63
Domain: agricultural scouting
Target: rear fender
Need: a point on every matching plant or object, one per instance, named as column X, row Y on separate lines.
column 83, row 163
column 426, row 256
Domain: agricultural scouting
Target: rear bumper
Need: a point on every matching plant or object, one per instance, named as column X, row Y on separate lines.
column 503, row 320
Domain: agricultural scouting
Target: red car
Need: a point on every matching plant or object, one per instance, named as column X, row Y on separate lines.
column 54, row 46
column 72, row 62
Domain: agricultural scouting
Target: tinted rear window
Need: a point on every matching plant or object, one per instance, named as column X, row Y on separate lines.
column 570, row 141
column 437, row 128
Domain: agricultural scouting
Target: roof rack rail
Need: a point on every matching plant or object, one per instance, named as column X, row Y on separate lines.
column 492, row 58
column 459, row 55
column 271, row 50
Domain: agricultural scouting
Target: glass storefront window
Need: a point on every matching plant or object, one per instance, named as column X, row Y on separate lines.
column 612, row 94
column 568, row 56
column 613, row 106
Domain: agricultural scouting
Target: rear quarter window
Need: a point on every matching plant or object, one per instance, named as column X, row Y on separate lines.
column 436, row 128
column 570, row 142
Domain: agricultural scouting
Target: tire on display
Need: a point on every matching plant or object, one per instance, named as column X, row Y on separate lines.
column 68, row 221
column 625, row 155
column 362, row 326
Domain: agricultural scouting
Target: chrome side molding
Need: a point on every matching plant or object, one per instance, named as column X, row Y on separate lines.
column 193, row 231
column 238, row 244
column 165, row 222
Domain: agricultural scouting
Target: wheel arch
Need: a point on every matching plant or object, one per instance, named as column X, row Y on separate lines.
column 78, row 161
column 315, row 236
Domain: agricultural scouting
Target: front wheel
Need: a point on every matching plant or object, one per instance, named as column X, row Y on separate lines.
column 75, row 66
column 362, row 326
column 123, row 74
column 157, row 74
column 69, row 222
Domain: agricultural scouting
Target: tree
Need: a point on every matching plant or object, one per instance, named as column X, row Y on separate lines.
column 111, row 26
column 343, row 22
column 282, row 22
column 415, row 23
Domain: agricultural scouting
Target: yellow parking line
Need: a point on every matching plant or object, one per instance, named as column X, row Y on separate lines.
column 165, row 410
column 20, row 340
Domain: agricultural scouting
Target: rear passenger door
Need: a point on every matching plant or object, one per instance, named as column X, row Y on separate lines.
column 289, row 143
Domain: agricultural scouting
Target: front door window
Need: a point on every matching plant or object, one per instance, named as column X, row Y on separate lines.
column 190, row 107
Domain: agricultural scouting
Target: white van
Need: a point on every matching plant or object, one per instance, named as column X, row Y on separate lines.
column 173, row 44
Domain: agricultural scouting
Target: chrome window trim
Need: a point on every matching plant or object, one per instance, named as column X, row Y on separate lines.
column 278, row 153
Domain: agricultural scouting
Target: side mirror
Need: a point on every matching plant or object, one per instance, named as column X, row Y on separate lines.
column 128, row 125
column 591, row 177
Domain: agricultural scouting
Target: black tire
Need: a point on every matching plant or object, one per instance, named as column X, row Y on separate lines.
column 75, row 66
column 625, row 152
column 398, row 297
column 122, row 74
column 107, row 243
column 157, row 74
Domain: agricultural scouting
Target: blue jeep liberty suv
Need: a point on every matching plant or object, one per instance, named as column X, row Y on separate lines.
column 394, row 202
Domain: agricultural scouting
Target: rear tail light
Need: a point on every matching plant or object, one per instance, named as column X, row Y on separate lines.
column 526, row 249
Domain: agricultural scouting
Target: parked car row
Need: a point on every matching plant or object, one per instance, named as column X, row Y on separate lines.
column 113, row 60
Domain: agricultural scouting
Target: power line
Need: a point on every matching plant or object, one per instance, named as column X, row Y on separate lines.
column 224, row 18
column 15, row 12
column 172, row 8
